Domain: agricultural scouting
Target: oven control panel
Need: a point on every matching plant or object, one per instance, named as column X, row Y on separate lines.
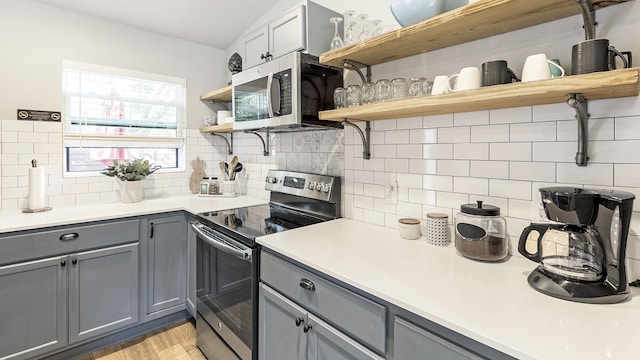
column 315, row 186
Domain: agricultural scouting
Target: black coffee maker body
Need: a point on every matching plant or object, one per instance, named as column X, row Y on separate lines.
column 582, row 254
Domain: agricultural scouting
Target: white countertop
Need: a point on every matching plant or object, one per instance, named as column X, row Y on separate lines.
column 16, row 220
column 489, row 302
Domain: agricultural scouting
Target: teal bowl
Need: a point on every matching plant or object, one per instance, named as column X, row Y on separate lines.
column 409, row 12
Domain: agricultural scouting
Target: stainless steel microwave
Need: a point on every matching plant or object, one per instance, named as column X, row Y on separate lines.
column 285, row 93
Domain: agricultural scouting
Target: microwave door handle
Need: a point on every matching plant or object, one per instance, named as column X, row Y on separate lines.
column 273, row 80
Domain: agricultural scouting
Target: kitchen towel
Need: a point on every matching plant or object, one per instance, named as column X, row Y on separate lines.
column 36, row 187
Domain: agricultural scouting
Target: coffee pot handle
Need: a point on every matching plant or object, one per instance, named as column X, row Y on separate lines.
column 626, row 61
column 541, row 229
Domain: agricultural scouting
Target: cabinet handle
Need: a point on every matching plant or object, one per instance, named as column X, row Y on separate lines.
column 307, row 284
column 74, row 261
column 306, row 328
column 151, row 232
column 299, row 321
column 69, row 237
column 266, row 56
column 63, row 263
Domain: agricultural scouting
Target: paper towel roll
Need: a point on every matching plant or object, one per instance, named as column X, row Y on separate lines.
column 36, row 188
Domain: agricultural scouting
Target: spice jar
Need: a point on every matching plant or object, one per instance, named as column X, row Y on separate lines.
column 204, row 186
column 481, row 233
column 214, row 186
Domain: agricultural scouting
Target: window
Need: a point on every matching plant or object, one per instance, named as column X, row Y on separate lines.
column 115, row 114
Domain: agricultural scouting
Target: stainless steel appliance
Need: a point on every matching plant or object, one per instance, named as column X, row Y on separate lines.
column 286, row 92
column 582, row 255
column 228, row 257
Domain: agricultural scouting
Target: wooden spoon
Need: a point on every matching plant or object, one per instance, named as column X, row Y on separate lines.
column 223, row 170
column 232, row 166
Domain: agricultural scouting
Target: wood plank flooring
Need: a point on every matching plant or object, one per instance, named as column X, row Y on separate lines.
column 175, row 342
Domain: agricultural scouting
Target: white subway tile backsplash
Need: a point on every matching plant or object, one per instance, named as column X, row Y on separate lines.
column 627, row 106
column 382, row 125
column 423, row 136
column 422, row 166
column 437, row 151
column 17, row 148
column 377, row 137
column 538, row 131
column 374, row 164
column 384, row 151
column 511, row 115
column 17, row 125
column 553, row 112
column 599, row 129
column 519, row 209
column 473, row 186
column 413, row 151
column 410, row 181
column 451, row 200
column 626, row 128
column 363, row 176
column 438, row 183
column 593, row 174
column 376, row 191
column 623, row 151
column 46, row 126
column 381, row 205
column 396, row 165
column 490, row 133
column 627, row 175
column 555, row 151
column 471, row 118
column 490, row 169
column 409, row 123
column 510, row 151
column 469, row 151
column 437, row 121
column 363, row 202
column 511, row 189
column 33, row 137
column 533, row 171
column 453, row 167
column 454, row 135
column 409, row 209
column 9, row 137
column 427, row 197
column 373, row 217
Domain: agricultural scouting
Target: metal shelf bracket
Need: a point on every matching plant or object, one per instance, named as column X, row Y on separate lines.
column 229, row 142
column 588, row 17
column 265, row 144
column 580, row 104
column 365, row 136
column 355, row 66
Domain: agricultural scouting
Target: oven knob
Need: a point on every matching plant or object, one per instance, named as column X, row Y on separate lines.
column 326, row 188
column 319, row 186
column 312, row 185
column 271, row 179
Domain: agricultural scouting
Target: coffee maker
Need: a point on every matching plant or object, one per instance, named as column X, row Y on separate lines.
column 582, row 253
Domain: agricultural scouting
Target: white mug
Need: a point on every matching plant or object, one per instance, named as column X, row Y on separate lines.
column 468, row 78
column 440, row 85
column 536, row 67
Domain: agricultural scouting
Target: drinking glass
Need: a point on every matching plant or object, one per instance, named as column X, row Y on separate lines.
column 349, row 27
column 398, row 88
column 336, row 42
column 383, row 90
column 364, row 34
column 339, row 97
column 416, row 86
column 375, row 28
column 353, row 95
column 368, row 93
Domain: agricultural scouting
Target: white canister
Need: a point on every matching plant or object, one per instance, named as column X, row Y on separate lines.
column 438, row 229
column 409, row 228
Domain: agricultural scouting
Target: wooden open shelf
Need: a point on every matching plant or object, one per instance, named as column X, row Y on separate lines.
column 222, row 95
column 600, row 85
column 224, row 128
column 475, row 21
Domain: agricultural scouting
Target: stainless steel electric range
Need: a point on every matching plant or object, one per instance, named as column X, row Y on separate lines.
column 228, row 257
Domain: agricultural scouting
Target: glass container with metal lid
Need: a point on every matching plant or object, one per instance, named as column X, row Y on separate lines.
column 481, row 233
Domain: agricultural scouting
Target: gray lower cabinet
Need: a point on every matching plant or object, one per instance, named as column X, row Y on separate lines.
column 166, row 264
column 192, row 243
column 33, row 307
column 411, row 342
column 289, row 332
column 50, row 303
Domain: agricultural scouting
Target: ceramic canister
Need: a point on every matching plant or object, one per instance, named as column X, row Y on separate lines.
column 438, row 229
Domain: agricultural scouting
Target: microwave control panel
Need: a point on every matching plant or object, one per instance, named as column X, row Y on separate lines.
column 285, row 91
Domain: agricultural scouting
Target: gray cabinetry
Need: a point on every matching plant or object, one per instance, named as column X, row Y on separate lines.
column 411, row 342
column 192, row 243
column 288, row 332
column 33, row 307
column 303, row 28
column 103, row 291
column 166, row 264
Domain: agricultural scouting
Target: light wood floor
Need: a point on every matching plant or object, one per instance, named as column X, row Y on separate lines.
column 175, row 342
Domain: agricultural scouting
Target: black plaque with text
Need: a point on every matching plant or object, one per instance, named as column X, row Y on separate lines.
column 39, row 115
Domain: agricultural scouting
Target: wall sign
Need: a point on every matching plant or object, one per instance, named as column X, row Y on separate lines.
column 39, row 115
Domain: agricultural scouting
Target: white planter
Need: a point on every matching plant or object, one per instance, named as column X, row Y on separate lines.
column 130, row 191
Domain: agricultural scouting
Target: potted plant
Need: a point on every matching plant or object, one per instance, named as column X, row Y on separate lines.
column 130, row 173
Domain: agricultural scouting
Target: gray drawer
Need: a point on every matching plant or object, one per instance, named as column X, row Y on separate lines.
column 17, row 248
column 357, row 316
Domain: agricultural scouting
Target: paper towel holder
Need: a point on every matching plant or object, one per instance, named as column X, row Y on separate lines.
column 34, row 164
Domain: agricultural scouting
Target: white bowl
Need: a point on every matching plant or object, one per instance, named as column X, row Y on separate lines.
column 409, row 12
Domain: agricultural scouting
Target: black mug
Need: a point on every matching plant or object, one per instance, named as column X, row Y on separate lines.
column 596, row 55
column 496, row 72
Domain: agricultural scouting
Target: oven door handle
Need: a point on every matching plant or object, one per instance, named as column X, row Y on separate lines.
column 244, row 253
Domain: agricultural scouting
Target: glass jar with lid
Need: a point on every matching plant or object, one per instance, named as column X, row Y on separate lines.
column 481, row 233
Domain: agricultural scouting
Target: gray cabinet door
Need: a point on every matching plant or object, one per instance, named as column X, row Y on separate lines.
column 192, row 243
column 166, row 262
column 280, row 335
column 33, row 307
column 327, row 343
column 411, row 342
column 103, row 290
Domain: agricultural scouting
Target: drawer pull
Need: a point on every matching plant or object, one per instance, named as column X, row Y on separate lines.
column 307, row 284
column 69, row 237
column 299, row 321
column 306, row 328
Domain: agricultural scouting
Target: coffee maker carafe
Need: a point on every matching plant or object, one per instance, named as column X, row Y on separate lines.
column 582, row 254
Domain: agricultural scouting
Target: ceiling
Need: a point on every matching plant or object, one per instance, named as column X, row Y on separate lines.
column 216, row 23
